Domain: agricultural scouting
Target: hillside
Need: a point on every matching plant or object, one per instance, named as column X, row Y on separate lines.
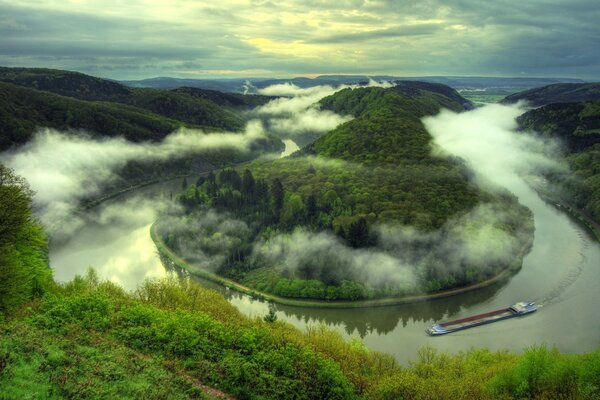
column 24, row 110
column 577, row 125
column 191, row 106
column 351, row 185
column 557, row 93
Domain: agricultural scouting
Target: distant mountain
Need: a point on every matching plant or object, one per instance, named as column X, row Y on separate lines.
column 557, row 93
column 242, row 85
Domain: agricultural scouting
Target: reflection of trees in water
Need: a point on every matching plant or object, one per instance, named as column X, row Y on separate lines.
column 382, row 320
column 379, row 320
column 363, row 321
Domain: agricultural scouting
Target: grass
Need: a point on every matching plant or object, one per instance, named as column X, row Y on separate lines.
column 174, row 339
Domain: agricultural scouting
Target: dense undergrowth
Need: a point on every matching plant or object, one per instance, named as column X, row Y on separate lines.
column 91, row 339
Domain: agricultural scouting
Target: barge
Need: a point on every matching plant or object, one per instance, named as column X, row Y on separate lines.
column 521, row 308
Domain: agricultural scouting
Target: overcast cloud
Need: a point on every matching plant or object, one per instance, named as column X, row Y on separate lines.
column 232, row 38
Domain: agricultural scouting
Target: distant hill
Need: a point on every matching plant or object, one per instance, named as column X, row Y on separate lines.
column 578, row 126
column 557, row 93
column 376, row 170
column 388, row 126
column 242, row 84
column 23, row 110
column 191, row 106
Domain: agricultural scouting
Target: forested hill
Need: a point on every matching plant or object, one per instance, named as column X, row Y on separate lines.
column 188, row 106
column 24, row 110
column 388, row 126
column 577, row 125
column 386, row 133
column 557, row 93
column 375, row 171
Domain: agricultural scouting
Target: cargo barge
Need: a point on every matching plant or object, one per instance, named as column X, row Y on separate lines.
column 521, row 308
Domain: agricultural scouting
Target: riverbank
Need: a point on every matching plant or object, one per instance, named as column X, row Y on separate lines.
column 575, row 213
column 179, row 262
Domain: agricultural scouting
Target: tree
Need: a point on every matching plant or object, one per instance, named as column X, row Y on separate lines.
column 15, row 204
column 311, row 207
column 184, row 184
column 358, row 233
column 248, row 185
column 277, row 194
column 271, row 316
column 24, row 270
column 293, row 211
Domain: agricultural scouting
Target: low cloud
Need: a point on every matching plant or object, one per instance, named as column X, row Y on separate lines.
column 470, row 247
column 486, row 138
column 297, row 111
column 64, row 168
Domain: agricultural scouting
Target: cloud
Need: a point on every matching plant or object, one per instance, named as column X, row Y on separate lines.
column 297, row 110
column 459, row 37
column 378, row 34
column 311, row 120
column 404, row 260
column 487, row 139
column 63, row 168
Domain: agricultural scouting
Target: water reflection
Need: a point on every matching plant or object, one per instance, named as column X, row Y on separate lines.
column 113, row 238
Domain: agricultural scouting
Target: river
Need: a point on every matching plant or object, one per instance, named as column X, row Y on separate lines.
column 561, row 272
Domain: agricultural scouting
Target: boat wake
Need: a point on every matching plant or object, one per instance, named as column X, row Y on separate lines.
column 554, row 296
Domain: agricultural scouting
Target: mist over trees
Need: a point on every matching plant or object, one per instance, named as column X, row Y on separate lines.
column 317, row 225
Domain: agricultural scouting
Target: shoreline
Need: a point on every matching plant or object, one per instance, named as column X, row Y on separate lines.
column 179, row 262
column 575, row 213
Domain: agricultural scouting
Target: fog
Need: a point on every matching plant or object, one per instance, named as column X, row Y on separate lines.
column 63, row 168
column 487, row 139
column 297, row 111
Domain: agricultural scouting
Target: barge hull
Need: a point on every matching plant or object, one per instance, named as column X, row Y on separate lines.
column 517, row 310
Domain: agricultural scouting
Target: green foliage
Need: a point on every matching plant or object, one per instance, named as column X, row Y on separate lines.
column 23, row 110
column 577, row 125
column 373, row 171
column 24, row 271
column 175, row 339
column 544, row 373
column 193, row 332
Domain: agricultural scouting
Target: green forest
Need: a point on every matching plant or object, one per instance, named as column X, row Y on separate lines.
column 172, row 338
column 577, row 126
column 374, row 170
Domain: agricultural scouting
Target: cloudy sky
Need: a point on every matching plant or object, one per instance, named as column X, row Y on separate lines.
column 233, row 38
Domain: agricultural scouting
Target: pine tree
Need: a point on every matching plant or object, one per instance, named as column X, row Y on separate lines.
column 248, row 185
column 277, row 195
column 358, row 233
column 311, row 208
